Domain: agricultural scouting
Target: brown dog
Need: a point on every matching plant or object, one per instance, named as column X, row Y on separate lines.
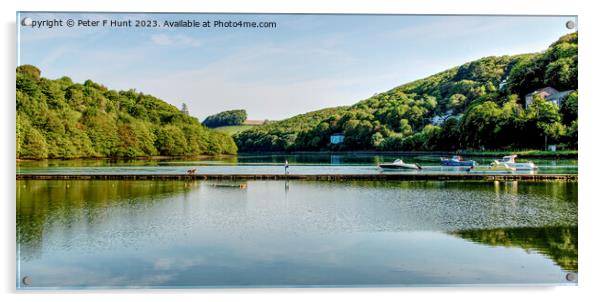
column 191, row 171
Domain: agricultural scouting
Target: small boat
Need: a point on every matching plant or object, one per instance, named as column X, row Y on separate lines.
column 510, row 161
column 494, row 167
column 456, row 161
column 399, row 164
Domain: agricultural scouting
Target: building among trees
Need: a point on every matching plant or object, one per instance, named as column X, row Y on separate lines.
column 337, row 138
column 549, row 94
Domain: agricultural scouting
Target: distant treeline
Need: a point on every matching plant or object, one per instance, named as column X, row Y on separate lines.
column 62, row 119
column 479, row 105
column 226, row 118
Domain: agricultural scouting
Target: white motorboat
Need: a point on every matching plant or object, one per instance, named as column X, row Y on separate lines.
column 510, row 162
column 399, row 164
column 495, row 167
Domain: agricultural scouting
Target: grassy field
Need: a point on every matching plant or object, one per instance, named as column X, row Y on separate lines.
column 231, row 130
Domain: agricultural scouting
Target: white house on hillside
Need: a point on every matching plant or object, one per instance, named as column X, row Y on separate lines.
column 549, row 94
column 438, row 120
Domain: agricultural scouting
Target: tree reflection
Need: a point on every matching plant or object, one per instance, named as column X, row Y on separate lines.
column 41, row 203
column 559, row 243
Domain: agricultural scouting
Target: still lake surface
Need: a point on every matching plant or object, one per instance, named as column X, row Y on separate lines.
column 313, row 163
column 81, row 233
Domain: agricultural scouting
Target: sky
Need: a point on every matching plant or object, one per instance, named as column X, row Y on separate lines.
column 305, row 63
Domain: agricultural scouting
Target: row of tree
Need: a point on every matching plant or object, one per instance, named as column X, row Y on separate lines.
column 481, row 103
column 62, row 119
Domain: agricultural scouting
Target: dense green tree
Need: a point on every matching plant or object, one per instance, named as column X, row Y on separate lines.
column 541, row 123
column 392, row 143
column 30, row 71
column 404, row 127
column 572, row 134
column 62, row 119
column 171, row 141
column 450, row 135
column 508, row 133
column 526, row 75
column 34, row 144
column 457, row 102
column 562, row 73
column 479, row 123
column 569, row 108
column 226, row 118
column 556, row 67
column 376, row 140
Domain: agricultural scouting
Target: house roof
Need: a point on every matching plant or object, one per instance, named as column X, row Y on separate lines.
column 558, row 95
column 547, row 90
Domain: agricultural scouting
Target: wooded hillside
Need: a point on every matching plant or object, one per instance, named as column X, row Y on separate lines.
column 479, row 105
column 62, row 119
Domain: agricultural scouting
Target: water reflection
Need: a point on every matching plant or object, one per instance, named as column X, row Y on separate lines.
column 203, row 233
column 558, row 242
column 47, row 207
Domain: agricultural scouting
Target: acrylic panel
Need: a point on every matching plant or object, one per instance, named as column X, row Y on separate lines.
column 172, row 150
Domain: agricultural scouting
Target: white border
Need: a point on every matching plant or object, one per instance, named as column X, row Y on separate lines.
column 589, row 123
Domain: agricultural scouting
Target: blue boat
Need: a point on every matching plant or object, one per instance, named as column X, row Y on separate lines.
column 457, row 161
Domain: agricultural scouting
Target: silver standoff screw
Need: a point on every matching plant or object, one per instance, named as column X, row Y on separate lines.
column 27, row 280
column 571, row 277
column 26, row 21
column 570, row 24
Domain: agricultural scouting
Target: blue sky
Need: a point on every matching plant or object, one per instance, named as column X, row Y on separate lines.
column 306, row 63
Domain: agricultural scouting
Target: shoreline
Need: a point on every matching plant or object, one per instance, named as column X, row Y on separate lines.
column 150, row 158
column 568, row 154
column 319, row 177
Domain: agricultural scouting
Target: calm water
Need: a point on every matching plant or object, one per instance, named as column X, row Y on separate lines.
column 314, row 163
column 295, row 233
